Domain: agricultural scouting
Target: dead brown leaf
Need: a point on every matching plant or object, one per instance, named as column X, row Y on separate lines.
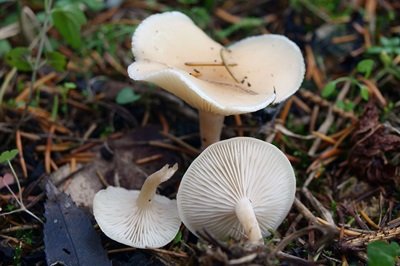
column 373, row 147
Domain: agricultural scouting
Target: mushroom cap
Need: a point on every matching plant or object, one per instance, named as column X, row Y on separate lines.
column 169, row 51
column 228, row 171
column 120, row 219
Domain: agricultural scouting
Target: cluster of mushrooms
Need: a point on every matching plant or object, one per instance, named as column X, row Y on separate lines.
column 239, row 188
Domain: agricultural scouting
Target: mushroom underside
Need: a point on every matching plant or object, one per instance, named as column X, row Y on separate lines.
column 120, row 218
column 229, row 171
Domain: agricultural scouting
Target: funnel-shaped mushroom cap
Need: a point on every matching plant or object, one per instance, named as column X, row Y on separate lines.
column 230, row 175
column 123, row 218
column 172, row 52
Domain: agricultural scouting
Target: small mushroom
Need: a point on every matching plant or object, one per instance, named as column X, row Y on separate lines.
column 139, row 219
column 237, row 187
column 172, row 52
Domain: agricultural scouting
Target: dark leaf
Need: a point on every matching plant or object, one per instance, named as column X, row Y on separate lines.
column 56, row 60
column 69, row 236
column 364, row 93
column 5, row 47
column 19, row 57
column 329, row 89
column 245, row 23
column 382, row 254
column 94, row 5
column 68, row 21
column 365, row 66
column 126, row 95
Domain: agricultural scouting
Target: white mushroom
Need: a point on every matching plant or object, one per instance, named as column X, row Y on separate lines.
column 172, row 52
column 139, row 219
column 235, row 188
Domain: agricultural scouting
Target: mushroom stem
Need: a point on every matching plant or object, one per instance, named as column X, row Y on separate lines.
column 210, row 127
column 151, row 183
column 247, row 218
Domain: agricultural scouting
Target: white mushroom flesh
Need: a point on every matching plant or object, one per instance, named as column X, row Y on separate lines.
column 189, row 64
column 139, row 219
column 227, row 172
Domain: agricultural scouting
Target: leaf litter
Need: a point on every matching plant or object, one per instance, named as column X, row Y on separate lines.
column 344, row 146
column 69, row 235
column 118, row 162
column 374, row 146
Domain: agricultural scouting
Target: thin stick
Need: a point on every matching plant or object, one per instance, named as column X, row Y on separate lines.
column 172, row 253
column 317, row 205
column 374, row 90
column 21, row 153
column 176, row 254
column 238, row 121
column 19, row 227
column 164, row 123
column 226, row 65
column 342, row 229
column 7, row 80
column 19, row 198
column 102, row 178
column 42, row 39
column 322, row 129
column 301, row 104
column 114, row 63
column 73, row 164
column 305, row 211
column 145, row 118
column 181, row 143
column 324, row 103
column 368, row 220
column 164, row 145
column 208, row 64
column 26, row 92
column 47, row 153
column 296, row 260
column 323, row 137
column 149, row 159
column 313, row 118
column 285, row 111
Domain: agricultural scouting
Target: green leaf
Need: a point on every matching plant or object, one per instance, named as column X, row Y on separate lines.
column 5, row 47
column 68, row 21
column 8, row 155
column 382, row 254
column 390, row 42
column 188, row 2
column 95, row 5
column 245, row 23
column 54, row 110
column 364, row 92
column 349, row 106
column 57, row 60
column 69, row 85
column 385, row 41
column 200, row 15
column 375, row 50
column 126, row 95
column 178, row 238
column 329, row 89
column 365, row 66
column 19, row 57
column 346, row 105
column 386, row 59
